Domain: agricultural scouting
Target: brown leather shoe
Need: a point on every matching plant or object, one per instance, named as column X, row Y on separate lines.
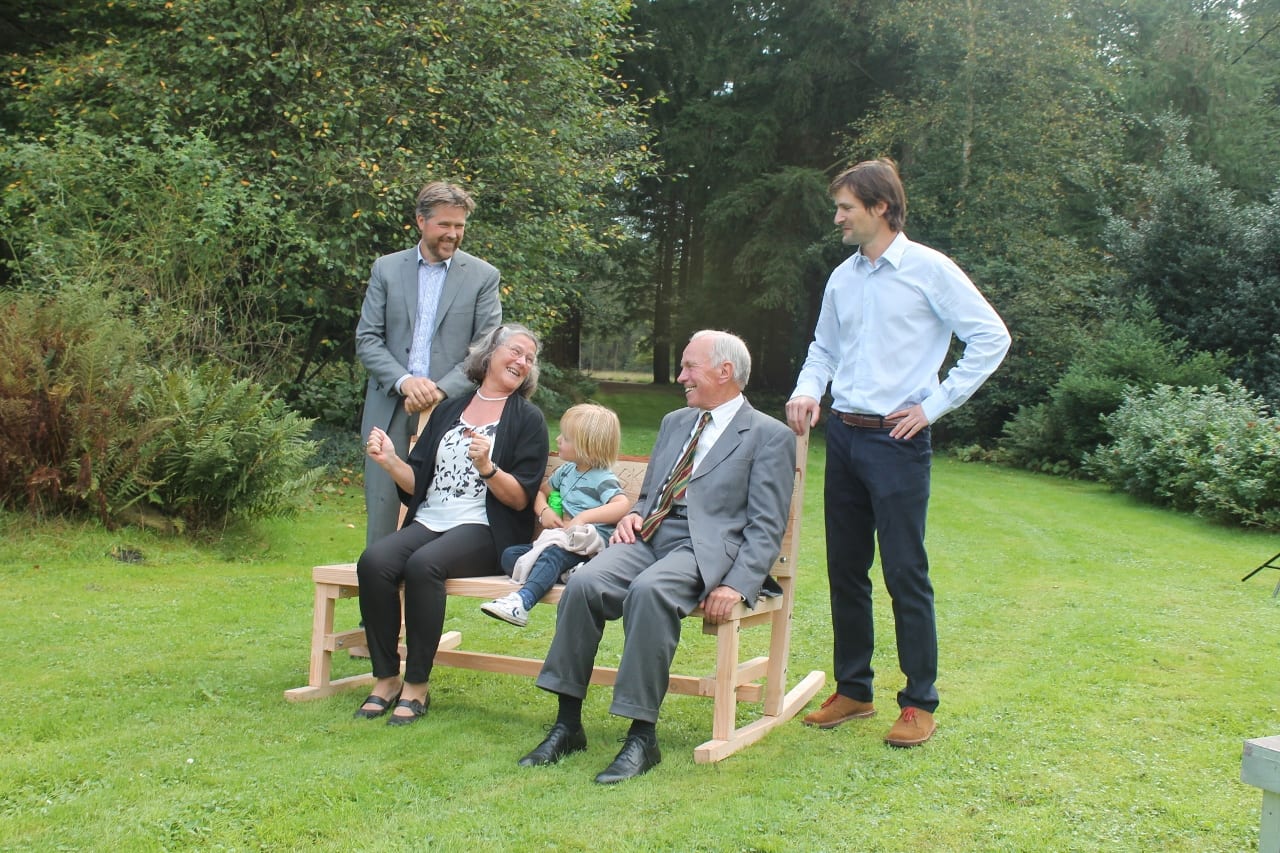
column 839, row 709
column 913, row 728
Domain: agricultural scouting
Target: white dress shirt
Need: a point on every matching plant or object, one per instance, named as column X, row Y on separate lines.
column 885, row 328
column 720, row 417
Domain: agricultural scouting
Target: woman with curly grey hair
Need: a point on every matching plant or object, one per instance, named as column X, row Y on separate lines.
column 469, row 486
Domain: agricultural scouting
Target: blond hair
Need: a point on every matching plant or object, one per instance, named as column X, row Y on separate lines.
column 595, row 432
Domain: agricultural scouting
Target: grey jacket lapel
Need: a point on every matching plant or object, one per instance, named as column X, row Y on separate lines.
column 452, row 284
column 728, row 441
column 409, row 284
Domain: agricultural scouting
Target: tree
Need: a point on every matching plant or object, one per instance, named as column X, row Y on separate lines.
column 747, row 101
column 1208, row 263
column 339, row 111
column 1006, row 139
column 1215, row 63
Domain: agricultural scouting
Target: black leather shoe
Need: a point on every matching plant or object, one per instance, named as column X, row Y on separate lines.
column 383, row 705
column 558, row 743
column 636, row 757
column 416, row 709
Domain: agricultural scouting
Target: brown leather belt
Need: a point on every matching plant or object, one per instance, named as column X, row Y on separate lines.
column 865, row 421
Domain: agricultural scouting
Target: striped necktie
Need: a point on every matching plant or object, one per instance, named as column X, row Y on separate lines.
column 676, row 483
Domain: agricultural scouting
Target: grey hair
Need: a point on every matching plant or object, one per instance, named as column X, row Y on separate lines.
column 476, row 364
column 442, row 194
column 727, row 346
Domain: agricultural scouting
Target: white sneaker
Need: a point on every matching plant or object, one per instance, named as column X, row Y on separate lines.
column 509, row 608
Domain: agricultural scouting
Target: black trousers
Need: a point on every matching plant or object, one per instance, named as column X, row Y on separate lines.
column 422, row 560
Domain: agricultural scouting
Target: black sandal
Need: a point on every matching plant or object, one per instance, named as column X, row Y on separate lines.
column 384, row 705
column 418, row 709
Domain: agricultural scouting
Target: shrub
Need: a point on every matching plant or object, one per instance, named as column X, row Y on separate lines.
column 1213, row 452
column 191, row 251
column 228, row 448
column 71, row 433
column 1135, row 352
column 333, row 395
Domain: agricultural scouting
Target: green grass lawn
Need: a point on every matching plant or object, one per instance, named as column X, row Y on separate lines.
column 1101, row 662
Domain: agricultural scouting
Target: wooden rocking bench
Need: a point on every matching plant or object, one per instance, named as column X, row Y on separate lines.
column 733, row 681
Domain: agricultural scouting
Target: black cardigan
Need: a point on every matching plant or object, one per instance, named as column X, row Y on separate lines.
column 521, row 450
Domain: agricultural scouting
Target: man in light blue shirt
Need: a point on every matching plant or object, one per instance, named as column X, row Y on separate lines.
column 888, row 314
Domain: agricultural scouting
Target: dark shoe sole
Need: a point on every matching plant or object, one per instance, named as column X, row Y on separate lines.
column 362, row 714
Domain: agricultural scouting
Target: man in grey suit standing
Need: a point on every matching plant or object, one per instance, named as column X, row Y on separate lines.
column 705, row 529
column 423, row 308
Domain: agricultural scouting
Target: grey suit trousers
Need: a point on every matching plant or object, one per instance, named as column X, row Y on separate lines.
column 651, row 587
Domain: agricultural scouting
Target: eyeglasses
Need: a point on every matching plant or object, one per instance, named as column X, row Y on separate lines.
column 519, row 353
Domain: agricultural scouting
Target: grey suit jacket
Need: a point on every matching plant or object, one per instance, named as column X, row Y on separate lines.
column 738, row 498
column 469, row 307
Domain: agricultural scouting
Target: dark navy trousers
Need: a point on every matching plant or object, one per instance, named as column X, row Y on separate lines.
column 877, row 492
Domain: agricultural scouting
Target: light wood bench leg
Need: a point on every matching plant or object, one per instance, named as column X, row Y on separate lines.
column 724, row 714
column 319, row 677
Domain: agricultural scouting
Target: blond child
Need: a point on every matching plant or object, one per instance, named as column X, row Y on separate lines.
column 588, row 493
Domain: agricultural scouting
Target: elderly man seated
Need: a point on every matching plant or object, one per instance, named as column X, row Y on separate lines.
column 707, row 526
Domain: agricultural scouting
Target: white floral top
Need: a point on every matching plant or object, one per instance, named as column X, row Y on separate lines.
column 456, row 495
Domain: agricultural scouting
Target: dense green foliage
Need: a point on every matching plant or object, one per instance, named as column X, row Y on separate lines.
column 228, row 448
column 86, row 424
column 1215, row 452
column 1208, row 263
column 1128, row 353
column 330, row 116
column 189, row 254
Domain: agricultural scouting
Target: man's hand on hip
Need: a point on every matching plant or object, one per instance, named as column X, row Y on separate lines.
column 913, row 420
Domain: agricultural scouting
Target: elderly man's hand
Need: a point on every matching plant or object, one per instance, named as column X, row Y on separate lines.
column 720, row 603
column 627, row 530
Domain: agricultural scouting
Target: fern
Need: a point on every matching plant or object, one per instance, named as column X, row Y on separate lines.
column 230, row 448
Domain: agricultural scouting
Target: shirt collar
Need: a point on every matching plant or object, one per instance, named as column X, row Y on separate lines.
column 723, row 413
column 892, row 254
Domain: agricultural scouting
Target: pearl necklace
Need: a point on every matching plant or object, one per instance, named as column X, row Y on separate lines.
column 491, row 399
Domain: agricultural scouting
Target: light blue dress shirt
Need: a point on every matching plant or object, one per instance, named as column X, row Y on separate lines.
column 885, row 328
column 430, row 288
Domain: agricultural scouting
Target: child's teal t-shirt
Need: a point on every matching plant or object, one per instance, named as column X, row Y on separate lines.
column 584, row 490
